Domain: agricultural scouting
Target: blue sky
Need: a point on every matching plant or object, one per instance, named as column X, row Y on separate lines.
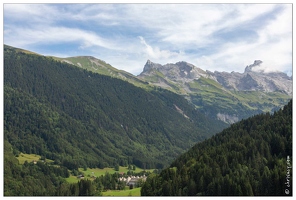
column 215, row 37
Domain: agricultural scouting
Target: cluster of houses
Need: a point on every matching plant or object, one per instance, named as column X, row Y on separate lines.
column 132, row 180
column 129, row 180
column 81, row 176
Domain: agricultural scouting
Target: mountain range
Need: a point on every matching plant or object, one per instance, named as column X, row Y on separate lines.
column 183, row 73
column 228, row 97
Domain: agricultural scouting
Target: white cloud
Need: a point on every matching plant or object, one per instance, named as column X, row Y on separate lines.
column 168, row 32
column 55, row 35
column 236, row 56
column 156, row 53
column 273, row 46
column 29, row 14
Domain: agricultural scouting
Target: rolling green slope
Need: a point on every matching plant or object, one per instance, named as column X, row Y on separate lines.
column 251, row 158
column 101, row 67
column 79, row 118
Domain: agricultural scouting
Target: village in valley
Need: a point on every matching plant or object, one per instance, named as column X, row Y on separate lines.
column 130, row 180
column 133, row 180
column 117, row 178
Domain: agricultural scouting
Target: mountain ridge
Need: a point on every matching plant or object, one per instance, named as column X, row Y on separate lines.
column 226, row 96
column 186, row 72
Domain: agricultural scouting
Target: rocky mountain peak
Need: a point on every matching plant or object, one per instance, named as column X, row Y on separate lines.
column 150, row 65
column 184, row 66
column 253, row 79
column 210, row 90
column 249, row 67
column 179, row 71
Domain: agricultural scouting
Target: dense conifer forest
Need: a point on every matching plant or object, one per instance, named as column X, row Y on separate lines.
column 252, row 157
column 82, row 119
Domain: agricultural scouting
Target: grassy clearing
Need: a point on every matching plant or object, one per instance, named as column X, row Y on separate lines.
column 98, row 172
column 74, row 179
column 88, row 173
column 27, row 157
column 122, row 193
column 30, row 158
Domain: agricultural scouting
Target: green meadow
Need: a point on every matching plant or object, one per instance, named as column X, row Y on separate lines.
column 88, row 173
column 99, row 172
column 30, row 158
column 121, row 193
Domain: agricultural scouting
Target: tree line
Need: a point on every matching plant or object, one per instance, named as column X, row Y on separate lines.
column 247, row 159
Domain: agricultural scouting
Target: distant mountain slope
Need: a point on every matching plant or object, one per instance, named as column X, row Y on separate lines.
column 220, row 95
column 254, row 79
column 80, row 118
column 101, row 67
column 228, row 97
column 252, row 157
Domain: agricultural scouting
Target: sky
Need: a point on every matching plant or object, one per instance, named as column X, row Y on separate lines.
column 215, row 37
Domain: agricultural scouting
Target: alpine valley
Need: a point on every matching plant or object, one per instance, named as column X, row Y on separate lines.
column 228, row 97
column 80, row 112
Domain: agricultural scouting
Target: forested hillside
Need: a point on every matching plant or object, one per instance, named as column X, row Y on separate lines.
column 83, row 119
column 41, row 179
column 252, row 157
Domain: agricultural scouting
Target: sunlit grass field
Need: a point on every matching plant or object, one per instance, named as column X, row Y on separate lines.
column 88, row 173
column 30, row 158
column 127, row 192
column 98, row 172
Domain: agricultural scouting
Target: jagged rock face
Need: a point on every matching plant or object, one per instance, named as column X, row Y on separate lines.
column 222, row 95
column 227, row 80
column 181, row 71
column 150, row 66
column 254, row 81
column 248, row 83
column 250, row 80
column 249, row 67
